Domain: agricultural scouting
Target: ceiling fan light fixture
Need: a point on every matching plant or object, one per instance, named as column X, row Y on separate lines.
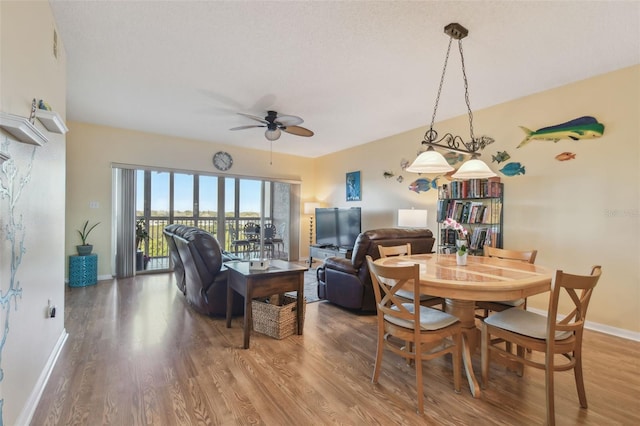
column 430, row 161
column 272, row 135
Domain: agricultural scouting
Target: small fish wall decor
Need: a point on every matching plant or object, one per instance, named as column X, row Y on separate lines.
column 580, row 128
column 512, row 169
column 565, row 156
column 388, row 174
column 453, row 157
column 400, row 179
column 404, row 164
column 423, row 185
column 500, row 157
column 448, row 175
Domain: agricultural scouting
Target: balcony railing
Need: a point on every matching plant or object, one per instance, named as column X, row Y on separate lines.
column 156, row 247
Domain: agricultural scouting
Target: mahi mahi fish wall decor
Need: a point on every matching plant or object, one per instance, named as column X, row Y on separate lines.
column 579, row 128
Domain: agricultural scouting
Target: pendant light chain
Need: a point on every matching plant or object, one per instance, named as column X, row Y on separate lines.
column 466, row 97
column 444, row 71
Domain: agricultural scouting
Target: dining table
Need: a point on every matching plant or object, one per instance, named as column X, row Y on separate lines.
column 481, row 279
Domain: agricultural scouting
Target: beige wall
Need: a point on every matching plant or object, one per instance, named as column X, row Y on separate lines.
column 28, row 69
column 92, row 149
column 576, row 213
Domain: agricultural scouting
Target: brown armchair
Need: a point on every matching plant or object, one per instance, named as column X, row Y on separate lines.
column 200, row 271
column 347, row 282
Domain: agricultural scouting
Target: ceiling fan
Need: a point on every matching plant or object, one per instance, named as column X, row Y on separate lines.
column 276, row 124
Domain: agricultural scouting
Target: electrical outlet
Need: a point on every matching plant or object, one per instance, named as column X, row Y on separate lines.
column 51, row 310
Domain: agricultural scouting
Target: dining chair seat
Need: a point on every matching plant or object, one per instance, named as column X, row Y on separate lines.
column 523, row 322
column 406, row 294
column 430, row 319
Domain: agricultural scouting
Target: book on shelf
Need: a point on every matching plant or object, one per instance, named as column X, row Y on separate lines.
column 472, row 188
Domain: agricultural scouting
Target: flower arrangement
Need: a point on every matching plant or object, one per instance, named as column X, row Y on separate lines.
column 461, row 231
column 452, row 224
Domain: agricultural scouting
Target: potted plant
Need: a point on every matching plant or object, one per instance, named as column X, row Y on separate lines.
column 85, row 249
column 141, row 235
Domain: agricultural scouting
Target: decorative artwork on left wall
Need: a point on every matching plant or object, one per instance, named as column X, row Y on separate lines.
column 353, row 187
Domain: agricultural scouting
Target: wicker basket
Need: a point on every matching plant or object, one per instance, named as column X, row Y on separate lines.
column 276, row 320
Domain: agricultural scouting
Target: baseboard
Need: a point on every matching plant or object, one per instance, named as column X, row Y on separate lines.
column 34, row 398
column 602, row 328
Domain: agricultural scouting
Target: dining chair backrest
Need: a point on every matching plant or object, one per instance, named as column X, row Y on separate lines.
column 572, row 284
column 525, row 256
column 269, row 231
column 387, row 280
column 402, row 250
column 251, row 229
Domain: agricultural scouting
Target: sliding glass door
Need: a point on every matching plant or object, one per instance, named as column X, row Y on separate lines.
column 165, row 197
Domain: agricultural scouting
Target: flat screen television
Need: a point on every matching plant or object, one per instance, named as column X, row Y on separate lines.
column 337, row 227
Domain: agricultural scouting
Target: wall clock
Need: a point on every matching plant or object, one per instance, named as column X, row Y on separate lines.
column 222, row 161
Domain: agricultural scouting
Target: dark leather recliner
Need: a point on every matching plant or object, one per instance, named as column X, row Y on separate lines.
column 200, row 272
column 347, row 283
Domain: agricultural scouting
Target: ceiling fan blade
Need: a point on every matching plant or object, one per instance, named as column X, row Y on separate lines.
column 298, row 131
column 250, row 126
column 253, row 117
column 289, row 120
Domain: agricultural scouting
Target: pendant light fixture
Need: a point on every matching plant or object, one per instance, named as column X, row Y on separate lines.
column 431, row 161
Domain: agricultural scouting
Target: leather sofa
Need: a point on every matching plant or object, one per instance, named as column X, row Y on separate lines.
column 199, row 268
column 347, row 283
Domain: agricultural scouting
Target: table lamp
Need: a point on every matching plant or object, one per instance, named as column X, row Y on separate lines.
column 412, row 218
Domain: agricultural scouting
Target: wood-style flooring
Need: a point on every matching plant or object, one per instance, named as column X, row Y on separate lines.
column 138, row 355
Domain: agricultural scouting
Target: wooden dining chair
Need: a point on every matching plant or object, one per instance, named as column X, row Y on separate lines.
column 405, row 250
column 437, row 333
column 499, row 306
column 545, row 334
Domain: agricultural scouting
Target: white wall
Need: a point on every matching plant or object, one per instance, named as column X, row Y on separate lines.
column 28, row 69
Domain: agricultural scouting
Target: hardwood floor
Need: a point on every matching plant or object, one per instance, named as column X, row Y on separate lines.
column 137, row 354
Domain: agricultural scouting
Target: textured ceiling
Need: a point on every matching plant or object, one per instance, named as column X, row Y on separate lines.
column 355, row 71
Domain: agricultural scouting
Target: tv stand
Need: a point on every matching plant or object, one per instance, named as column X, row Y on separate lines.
column 322, row 252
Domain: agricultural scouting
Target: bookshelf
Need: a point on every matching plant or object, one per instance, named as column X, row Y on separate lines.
column 477, row 205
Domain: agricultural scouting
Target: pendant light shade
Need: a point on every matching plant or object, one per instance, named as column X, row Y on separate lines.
column 474, row 169
column 430, row 161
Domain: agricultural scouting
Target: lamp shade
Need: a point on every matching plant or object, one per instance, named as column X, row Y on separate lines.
column 474, row 169
column 272, row 135
column 430, row 161
column 412, row 218
column 310, row 208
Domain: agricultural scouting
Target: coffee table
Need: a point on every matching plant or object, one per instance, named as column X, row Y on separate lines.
column 279, row 278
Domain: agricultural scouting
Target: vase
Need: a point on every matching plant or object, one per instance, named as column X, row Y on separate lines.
column 84, row 250
column 461, row 260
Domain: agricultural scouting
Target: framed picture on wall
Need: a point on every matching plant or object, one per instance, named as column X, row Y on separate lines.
column 354, row 188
